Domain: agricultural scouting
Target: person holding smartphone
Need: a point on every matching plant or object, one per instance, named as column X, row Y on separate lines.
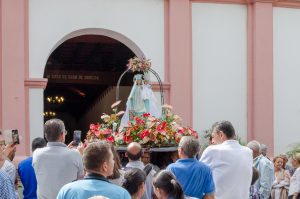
column 76, row 142
column 5, row 162
column 55, row 165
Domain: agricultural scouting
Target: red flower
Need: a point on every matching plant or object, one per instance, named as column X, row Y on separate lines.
column 139, row 121
column 128, row 132
column 144, row 134
column 110, row 139
column 181, row 131
column 127, row 139
column 178, row 140
column 146, row 114
column 161, row 127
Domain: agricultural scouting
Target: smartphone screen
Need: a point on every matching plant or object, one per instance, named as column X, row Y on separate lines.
column 15, row 136
column 76, row 137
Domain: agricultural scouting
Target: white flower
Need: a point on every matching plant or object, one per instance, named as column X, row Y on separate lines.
column 105, row 117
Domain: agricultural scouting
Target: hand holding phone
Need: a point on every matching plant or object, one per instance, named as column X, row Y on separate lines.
column 76, row 137
column 11, row 136
column 15, row 136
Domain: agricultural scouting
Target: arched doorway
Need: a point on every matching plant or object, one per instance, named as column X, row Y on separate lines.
column 82, row 73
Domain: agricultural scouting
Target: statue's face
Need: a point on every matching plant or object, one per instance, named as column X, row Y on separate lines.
column 139, row 82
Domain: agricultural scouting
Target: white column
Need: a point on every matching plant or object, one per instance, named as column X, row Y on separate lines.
column 36, row 108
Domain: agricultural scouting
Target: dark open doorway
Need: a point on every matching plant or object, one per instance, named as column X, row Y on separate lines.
column 82, row 74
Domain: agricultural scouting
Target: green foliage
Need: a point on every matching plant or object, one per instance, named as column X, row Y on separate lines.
column 295, row 149
column 239, row 139
column 204, row 137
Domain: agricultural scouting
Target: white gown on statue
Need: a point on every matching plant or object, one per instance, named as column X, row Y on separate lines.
column 148, row 96
column 141, row 100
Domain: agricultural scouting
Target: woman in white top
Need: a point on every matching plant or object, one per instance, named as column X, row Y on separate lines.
column 294, row 192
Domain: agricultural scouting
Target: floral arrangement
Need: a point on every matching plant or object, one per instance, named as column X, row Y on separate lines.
column 139, row 64
column 105, row 130
column 144, row 129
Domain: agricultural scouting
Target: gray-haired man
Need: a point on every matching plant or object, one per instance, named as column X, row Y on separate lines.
column 55, row 165
column 265, row 168
column 195, row 177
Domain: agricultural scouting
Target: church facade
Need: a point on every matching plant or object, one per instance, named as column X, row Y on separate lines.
column 233, row 60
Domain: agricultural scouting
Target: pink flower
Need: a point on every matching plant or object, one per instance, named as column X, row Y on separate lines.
column 97, row 132
column 94, row 127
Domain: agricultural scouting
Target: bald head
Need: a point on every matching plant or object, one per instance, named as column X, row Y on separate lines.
column 134, row 151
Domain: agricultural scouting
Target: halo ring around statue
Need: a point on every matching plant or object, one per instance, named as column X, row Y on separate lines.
column 143, row 70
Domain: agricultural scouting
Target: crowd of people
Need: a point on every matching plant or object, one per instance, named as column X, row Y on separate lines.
column 225, row 170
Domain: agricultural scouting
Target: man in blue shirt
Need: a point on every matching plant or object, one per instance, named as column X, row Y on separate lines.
column 7, row 188
column 26, row 171
column 195, row 177
column 98, row 161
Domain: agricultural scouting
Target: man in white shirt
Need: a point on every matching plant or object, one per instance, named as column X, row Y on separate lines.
column 55, row 165
column 231, row 163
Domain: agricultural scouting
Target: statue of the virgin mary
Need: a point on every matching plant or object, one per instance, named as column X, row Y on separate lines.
column 141, row 100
